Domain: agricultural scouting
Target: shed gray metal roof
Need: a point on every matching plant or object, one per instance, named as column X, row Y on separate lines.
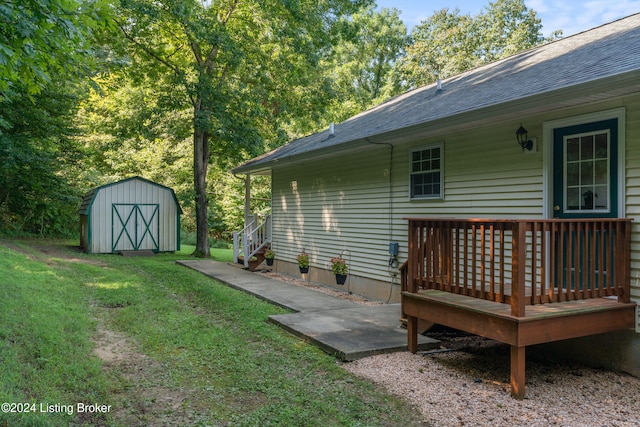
column 88, row 198
column 598, row 63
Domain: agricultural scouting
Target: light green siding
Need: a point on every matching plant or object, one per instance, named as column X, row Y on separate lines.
column 632, row 200
column 332, row 204
column 335, row 204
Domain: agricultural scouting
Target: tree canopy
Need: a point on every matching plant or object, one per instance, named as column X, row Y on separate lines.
column 180, row 91
column 448, row 42
column 232, row 61
column 362, row 62
column 40, row 38
column 46, row 59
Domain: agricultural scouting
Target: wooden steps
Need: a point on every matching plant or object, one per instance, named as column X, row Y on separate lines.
column 255, row 260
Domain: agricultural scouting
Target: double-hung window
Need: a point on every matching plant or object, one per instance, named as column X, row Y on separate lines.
column 426, row 173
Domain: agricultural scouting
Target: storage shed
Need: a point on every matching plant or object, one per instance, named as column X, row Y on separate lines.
column 134, row 214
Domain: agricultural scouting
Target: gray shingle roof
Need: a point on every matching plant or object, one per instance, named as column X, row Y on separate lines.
column 604, row 52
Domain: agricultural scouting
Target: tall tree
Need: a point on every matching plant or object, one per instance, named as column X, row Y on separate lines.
column 37, row 154
column 133, row 127
column 225, row 56
column 45, row 58
column 441, row 46
column 362, row 62
column 507, row 27
column 448, row 43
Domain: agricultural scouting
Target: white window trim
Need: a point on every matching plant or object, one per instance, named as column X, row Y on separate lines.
column 440, row 196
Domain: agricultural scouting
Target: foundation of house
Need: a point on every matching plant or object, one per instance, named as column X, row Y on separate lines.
column 614, row 351
column 375, row 290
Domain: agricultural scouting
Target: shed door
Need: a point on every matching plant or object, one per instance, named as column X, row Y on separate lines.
column 135, row 227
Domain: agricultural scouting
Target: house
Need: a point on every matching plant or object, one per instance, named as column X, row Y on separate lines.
column 134, row 214
column 546, row 143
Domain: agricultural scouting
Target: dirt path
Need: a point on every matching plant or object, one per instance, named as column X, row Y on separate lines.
column 141, row 398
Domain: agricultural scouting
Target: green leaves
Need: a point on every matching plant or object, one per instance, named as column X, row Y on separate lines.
column 42, row 37
column 448, row 43
column 361, row 66
column 242, row 66
column 231, row 78
column 45, row 52
column 38, row 158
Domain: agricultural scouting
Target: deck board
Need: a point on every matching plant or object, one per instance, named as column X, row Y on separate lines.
column 541, row 323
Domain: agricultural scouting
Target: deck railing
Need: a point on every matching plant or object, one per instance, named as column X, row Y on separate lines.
column 520, row 262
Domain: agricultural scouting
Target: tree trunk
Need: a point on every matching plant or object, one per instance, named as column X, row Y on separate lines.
column 200, row 165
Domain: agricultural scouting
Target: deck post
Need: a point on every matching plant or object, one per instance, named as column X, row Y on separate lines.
column 548, row 257
column 412, row 334
column 623, row 237
column 517, row 372
column 413, row 257
column 518, row 255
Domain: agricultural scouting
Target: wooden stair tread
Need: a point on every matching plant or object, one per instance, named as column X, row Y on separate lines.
column 255, row 260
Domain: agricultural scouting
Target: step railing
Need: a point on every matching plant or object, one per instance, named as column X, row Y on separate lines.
column 520, row 262
column 251, row 240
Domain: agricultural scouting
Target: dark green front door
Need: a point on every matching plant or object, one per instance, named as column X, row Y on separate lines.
column 585, row 185
column 135, row 227
column 585, row 159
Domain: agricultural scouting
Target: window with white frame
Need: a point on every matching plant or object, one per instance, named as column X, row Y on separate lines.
column 426, row 172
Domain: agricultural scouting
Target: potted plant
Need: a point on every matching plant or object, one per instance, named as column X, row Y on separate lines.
column 303, row 262
column 269, row 255
column 339, row 268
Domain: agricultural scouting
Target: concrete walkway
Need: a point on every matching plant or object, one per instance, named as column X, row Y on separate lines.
column 338, row 326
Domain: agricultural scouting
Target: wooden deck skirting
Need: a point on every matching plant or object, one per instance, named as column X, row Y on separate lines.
column 521, row 282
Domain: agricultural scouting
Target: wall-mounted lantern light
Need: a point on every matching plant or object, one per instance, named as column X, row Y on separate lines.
column 522, row 137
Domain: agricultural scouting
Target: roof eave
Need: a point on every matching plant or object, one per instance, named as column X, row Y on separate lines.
column 567, row 97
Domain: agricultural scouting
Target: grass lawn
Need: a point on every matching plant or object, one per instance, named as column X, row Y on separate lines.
column 152, row 343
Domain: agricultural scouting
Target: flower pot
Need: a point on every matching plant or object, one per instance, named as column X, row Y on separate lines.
column 304, row 270
column 341, row 279
column 269, row 261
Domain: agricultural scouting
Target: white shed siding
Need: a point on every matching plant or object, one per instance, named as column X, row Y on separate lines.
column 140, row 192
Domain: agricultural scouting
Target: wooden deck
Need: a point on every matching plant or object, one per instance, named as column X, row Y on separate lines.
column 520, row 282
